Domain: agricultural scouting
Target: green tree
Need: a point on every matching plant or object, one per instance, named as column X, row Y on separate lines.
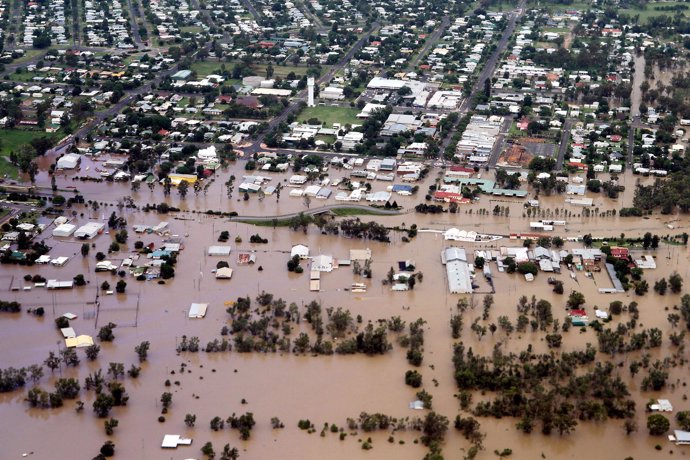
column 413, row 379
column 183, row 188
column 105, row 334
column 434, row 428
column 675, row 282
column 657, row 424
column 102, row 404
column 142, row 350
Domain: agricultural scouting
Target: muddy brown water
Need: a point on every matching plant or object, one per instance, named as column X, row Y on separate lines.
column 322, row 389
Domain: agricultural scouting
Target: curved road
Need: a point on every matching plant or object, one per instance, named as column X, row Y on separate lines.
column 319, row 210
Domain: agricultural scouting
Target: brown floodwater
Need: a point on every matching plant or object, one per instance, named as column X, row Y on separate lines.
column 322, row 389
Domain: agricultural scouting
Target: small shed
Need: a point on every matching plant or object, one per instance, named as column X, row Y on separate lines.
column 219, row 250
column 81, row 341
column 171, row 441
column 224, row 273
column 300, row 250
column 198, row 310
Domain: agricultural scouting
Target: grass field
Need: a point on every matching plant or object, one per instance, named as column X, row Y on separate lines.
column 557, row 30
column 330, row 115
column 7, row 169
column 650, row 12
column 281, row 71
column 11, row 140
column 580, row 5
column 205, row 68
column 191, row 29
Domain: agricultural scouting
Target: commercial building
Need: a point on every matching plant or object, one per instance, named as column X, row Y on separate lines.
column 457, row 270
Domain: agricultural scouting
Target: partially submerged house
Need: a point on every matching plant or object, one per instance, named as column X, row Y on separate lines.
column 219, row 250
column 457, row 270
column 89, row 230
column 300, row 250
column 198, row 310
column 171, row 441
column 322, row 263
column 224, row 273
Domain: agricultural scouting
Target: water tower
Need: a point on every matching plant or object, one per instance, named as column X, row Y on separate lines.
column 310, row 92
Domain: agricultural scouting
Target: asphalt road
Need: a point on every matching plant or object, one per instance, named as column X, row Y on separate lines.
column 563, row 147
column 255, row 14
column 487, row 71
column 500, row 140
column 136, row 36
column 430, row 41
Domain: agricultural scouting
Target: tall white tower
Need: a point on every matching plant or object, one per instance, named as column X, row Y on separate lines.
column 310, row 92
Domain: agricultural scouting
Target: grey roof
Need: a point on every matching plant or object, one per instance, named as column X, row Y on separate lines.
column 457, row 270
column 618, row 286
column 682, row 436
column 542, row 253
column 453, row 253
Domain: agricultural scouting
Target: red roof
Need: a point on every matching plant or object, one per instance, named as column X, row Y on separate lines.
column 163, row 132
column 578, row 165
column 577, row 313
column 451, row 197
column 456, row 168
column 620, row 253
column 616, row 138
column 224, row 99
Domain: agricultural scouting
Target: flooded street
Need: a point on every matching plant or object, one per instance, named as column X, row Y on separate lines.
column 323, row 389
column 638, row 77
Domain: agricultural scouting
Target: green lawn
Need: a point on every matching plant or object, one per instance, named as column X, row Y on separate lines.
column 11, row 140
column 204, row 68
column 557, row 30
column 7, row 169
column 28, row 55
column 330, row 115
column 282, row 71
column 580, row 5
column 650, row 12
column 191, row 29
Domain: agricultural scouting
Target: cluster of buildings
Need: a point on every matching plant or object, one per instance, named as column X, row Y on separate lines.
column 478, row 139
column 45, row 18
column 107, row 24
column 292, row 17
column 233, row 17
column 170, row 16
column 332, row 11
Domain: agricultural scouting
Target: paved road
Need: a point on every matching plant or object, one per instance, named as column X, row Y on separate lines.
column 565, row 140
column 295, row 104
column 635, row 124
column 487, row 71
column 255, row 14
column 319, row 26
column 500, row 141
column 430, row 41
column 15, row 19
column 133, row 14
column 319, row 210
